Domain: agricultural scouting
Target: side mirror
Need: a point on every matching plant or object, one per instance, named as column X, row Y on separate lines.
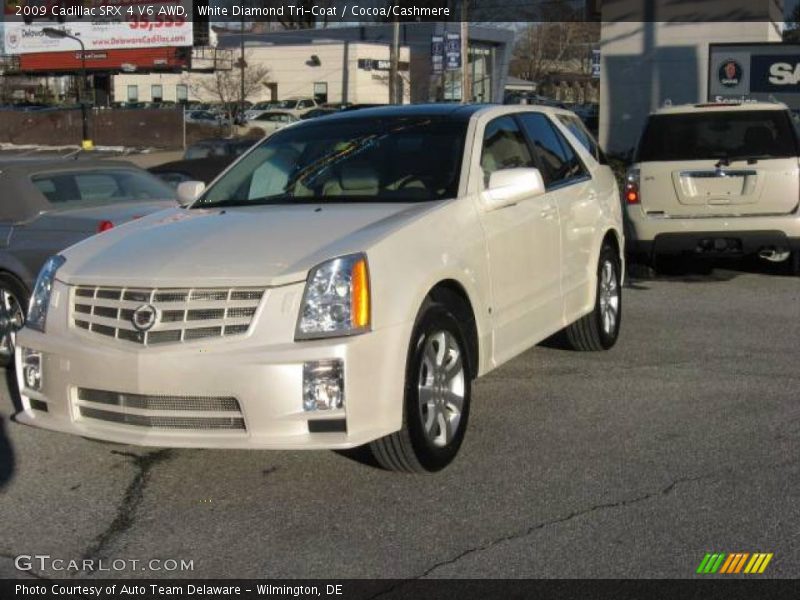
column 189, row 191
column 509, row 186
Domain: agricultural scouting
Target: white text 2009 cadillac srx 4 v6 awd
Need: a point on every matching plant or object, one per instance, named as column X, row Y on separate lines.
column 341, row 284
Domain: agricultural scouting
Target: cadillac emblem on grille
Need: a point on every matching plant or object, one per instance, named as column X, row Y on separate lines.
column 145, row 317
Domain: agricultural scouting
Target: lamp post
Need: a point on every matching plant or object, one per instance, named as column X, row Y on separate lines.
column 52, row 32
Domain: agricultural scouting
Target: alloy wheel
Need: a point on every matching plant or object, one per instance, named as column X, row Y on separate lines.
column 12, row 318
column 609, row 297
column 441, row 388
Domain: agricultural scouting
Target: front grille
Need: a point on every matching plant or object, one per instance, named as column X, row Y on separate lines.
column 161, row 411
column 182, row 315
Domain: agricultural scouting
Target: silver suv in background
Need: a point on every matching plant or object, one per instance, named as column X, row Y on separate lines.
column 716, row 180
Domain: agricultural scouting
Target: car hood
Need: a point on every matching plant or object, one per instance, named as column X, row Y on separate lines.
column 253, row 246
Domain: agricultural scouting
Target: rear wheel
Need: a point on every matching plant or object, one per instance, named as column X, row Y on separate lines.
column 794, row 263
column 437, row 397
column 13, row 300
column 600, row 328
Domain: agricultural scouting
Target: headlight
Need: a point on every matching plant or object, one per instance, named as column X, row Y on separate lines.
column 336, row 300
column 40, row 299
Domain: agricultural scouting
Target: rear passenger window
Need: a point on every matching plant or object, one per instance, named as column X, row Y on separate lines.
column 557, row 159
column 504, row 147
column 101, row 187
column 97, row 186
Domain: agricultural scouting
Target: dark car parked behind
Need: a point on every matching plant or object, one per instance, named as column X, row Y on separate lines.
column 198, row 169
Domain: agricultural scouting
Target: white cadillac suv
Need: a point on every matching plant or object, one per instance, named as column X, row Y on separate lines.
column 716, row 180
column 341, row 284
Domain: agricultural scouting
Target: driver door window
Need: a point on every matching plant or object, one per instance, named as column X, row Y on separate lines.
column 504, row 147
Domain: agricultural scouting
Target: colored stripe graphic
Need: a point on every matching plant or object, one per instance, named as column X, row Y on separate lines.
column 734, row 563
column 735, row 558
column 711, row 562
column 718, row 563
column 755, row 562
column 740, row 564
column 764, row 564
column 703, row 563
column 727, row 564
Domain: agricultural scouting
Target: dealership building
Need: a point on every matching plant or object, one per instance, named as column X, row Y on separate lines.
column 337, row 64
column 327, row 70
column 345, row 64
column 675, row 54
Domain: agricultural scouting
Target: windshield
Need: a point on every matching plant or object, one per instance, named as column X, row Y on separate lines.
column 727, row 135
column 286, row 104
column 400, row 159
column 102, row 186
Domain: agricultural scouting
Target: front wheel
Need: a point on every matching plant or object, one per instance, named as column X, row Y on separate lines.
column 13, row 300
column 599, row 329
column 436, row 400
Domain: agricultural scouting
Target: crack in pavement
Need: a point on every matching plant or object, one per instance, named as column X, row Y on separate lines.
column 573, row 515
column 665, row 491
column 539, row 526
column 126, row 510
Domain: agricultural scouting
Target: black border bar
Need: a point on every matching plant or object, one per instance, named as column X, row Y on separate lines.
column 730, row 588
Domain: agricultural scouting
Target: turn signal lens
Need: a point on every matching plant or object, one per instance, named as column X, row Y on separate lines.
column 359, row 314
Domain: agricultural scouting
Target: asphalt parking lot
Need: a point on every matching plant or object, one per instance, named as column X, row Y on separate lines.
column 633, row 463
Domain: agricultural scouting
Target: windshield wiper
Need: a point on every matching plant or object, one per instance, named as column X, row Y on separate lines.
column 247, row 202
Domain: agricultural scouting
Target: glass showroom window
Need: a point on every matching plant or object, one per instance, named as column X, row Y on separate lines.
column 181, row 93
column 321, row 92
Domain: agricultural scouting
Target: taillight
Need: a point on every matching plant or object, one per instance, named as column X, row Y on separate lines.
column 631, row 192
column 104, row 226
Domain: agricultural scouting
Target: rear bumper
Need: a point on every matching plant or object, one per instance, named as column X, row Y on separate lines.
column 723, row 236
column 713, row 243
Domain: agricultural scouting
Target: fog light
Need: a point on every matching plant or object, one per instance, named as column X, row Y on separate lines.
column 32, row 369
column 323, row 385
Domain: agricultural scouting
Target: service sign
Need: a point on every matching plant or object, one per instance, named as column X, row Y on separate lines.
column 100, row 24
column 754, row 72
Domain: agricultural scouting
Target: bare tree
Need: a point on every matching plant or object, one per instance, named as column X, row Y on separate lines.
column 544, row 48
column 791, row 33
column 225, row 84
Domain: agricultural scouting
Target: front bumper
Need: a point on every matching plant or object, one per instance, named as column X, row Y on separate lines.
column 264, row 375
column 712, row 236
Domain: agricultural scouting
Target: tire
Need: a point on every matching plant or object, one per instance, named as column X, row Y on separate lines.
column 437, row 394
column 794, row 263
column 13, row 305
column 599, row 329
